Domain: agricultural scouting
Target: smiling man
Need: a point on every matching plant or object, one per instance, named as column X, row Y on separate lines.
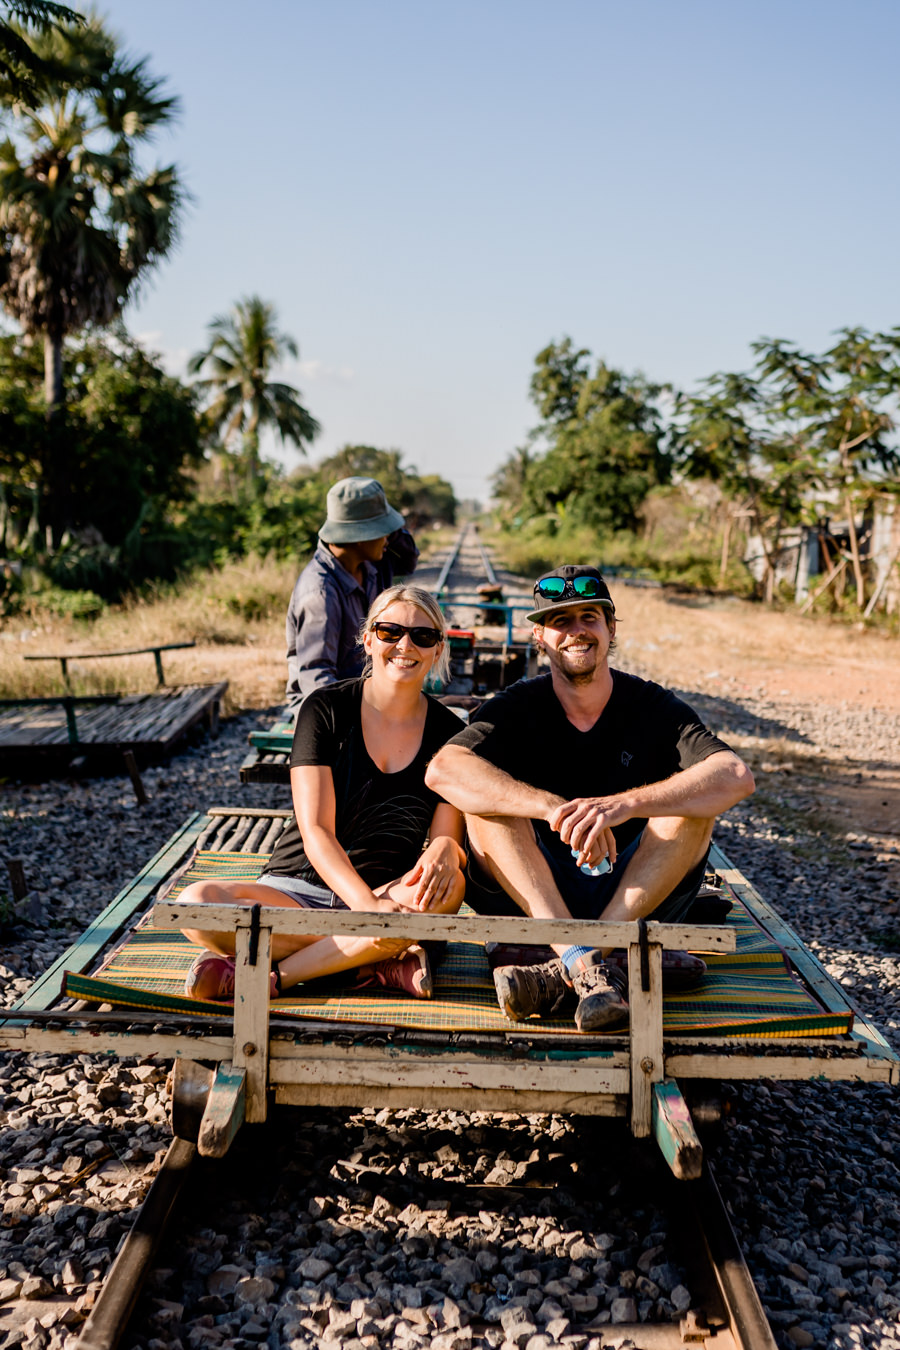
column 588, row 793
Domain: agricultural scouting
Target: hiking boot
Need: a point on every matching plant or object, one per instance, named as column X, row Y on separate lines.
column 211, row 979
column 409, row 973
column 680, row 970
column 600, row 989
column 529, row 991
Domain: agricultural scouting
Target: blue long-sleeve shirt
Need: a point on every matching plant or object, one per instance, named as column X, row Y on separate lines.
column 324, row 617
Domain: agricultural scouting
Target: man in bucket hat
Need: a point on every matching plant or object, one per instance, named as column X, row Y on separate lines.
column 588, row 793
column 362, row 543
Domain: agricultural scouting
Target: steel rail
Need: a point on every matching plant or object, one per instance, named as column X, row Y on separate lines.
column 110, row 1314
column 485, row 560
column 746, row 1317
column 451, row 559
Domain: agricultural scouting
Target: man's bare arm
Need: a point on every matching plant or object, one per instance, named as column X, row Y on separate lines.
column 478, row 788
column 701, row 792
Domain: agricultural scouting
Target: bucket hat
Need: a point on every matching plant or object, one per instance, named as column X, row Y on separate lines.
column 357, row 510
column 567, row 573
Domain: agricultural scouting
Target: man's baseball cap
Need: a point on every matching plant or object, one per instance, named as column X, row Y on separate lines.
column 358, row 510
column 569, row 584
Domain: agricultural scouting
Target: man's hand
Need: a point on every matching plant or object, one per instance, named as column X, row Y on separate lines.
column 585, row 824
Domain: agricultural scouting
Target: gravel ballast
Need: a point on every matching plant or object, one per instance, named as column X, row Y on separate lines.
column 349, row 1230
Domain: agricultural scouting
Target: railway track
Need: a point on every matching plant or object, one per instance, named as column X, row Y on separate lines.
column 690, row 1227
column 597, row 1159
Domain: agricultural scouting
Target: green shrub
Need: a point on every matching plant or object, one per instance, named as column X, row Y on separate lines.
column 65, row 604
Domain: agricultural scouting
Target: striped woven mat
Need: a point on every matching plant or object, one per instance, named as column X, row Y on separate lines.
column 750, row 992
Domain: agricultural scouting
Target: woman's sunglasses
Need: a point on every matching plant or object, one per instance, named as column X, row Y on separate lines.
column 393, row 632
column 587, row 588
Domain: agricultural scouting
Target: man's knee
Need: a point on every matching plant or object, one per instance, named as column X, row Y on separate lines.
column 681, row 830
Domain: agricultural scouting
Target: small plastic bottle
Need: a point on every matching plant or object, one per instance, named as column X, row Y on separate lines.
column 603, row 866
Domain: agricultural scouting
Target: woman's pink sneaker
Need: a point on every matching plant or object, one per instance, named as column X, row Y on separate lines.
column 410, row 973
column 211, row 979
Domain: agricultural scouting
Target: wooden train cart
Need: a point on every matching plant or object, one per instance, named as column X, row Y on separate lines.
column 348, row 1048
column 66, row 728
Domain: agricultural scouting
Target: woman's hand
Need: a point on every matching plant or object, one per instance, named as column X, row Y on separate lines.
column 433, row 873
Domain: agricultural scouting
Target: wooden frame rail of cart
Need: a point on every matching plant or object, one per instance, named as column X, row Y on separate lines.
column 231, row 1063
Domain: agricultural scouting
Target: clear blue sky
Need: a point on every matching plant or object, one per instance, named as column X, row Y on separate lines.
column 432, row 192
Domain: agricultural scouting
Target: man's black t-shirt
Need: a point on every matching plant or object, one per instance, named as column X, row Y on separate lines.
column 644, row 735
column 381, row 819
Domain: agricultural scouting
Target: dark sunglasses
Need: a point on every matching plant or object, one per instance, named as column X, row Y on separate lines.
column 584, row 588
column 393, row 632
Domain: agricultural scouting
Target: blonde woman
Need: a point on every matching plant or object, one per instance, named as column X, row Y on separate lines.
column 362, row 815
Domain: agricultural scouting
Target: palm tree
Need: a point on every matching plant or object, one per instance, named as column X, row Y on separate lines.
column 19, row 64
column 244, row 346
column 80, row 223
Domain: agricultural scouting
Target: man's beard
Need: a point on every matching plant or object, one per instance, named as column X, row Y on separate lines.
column 580, row 675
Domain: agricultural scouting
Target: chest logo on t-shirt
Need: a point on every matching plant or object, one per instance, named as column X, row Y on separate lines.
column 627, row 757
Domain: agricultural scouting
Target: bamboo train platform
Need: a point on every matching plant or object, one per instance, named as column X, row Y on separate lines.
column 53, row 732
column 766, row 1009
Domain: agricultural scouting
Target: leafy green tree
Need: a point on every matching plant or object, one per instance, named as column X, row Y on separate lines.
column 119, row 500
column 243, row 399
column 839, row 409
column 606, row 444
column 421, row 498
column 80, row 221
column 798, row 436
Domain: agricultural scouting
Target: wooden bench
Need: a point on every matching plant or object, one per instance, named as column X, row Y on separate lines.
column 65, row 657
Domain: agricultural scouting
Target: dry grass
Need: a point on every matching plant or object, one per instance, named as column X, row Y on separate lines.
column 235, row 616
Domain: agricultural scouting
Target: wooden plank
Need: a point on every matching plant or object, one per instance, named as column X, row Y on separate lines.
column 451, row 927
column 251, row 1018
column 126, row 651
column 738, row 1061
column 822, row 985
column 72, row 1040
column 224, row 1112
column 743, row 1060
column 108, row 925
column 270, row 812
column 450, row 1099
column 412, row 1069
column 647, row 1064
column 272, row 742
column 674, row 1131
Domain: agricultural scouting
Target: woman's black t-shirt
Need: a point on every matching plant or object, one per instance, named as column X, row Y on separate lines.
column 381, row 819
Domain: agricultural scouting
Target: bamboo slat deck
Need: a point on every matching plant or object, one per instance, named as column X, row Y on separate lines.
column 267, row 759
column 146, row 724
column 258, row 1051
